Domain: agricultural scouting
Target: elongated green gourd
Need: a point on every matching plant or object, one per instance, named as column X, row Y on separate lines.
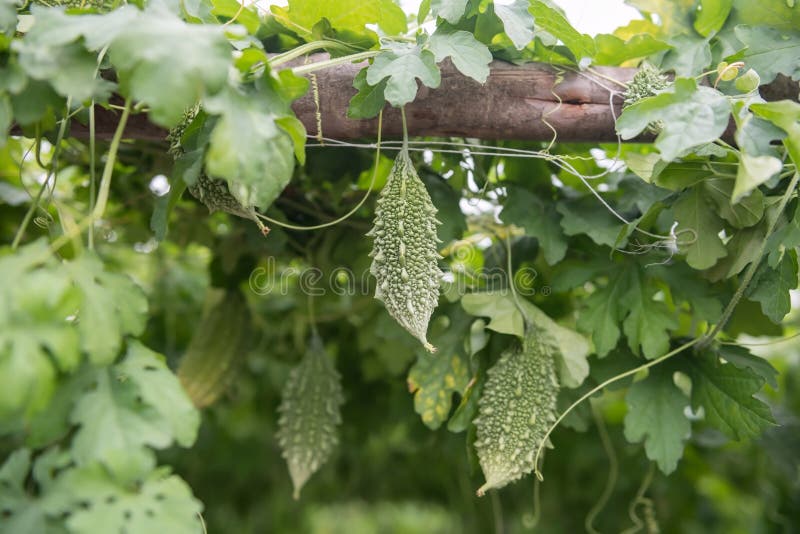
column 517, row 407
column 212, row 192
column 309, row 414
column 216, row 350
column 404, row 254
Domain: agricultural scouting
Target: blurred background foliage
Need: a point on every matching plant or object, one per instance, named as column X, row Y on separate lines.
column 390, row 473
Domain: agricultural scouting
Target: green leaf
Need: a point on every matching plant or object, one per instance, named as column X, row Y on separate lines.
column 470, row 56
column 468, row 407
column 711, row 15
column 755, row 135
column 297, row 133
column 21, row 512
column 747, row 212
column 690, row 115
column 369, row 100
column 70, row 69
column 744, row 359
column 656, row 416
column 770, row 51
column 343, row 15
column 93, row 501
column 552, row 21
column 611, row 50
column 685, row 286
column 8, row 16
column 753, row 171
column 517, row 22
column 539, row 219
column 693, row 212
column 772, row 288
column 725, row 393
column 449, row 10
column 785, row 114
column 36, row 337
column 688, row 57
column 112, row 307
column 401, row 67
column 649, row 321
column 164, row 205
column 181, row 63
column 674, row 15
column 248, row 148
column 570, row 348
column 503, row 313
column 435, row 377
column 134, row 404
column 231, row 9
column 587, row 216
column 602, row 314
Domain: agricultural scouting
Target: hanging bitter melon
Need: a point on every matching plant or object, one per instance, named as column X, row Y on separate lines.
column 216, row 349
column 309, row 414
column 404, row 254
column 516, row 408
column 213, row 192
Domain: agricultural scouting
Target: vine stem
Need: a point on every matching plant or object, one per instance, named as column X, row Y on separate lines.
column 349, row 213
column 302, row 50
column 751, row 270
column 105, row 183
column 600, row 387
column 613, row 471
column 319, row 65
column 62, row 130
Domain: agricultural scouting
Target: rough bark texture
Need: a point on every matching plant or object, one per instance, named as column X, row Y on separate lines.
column 516, row 102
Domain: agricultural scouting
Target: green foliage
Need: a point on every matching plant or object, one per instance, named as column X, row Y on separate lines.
column 690, row 115
column 544, row 295
column 400, row 67
column 656, row 415
column 435, row 377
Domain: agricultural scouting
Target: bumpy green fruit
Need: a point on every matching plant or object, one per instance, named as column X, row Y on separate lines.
column 404, row 253
column 646, row 82
column 100, row 5
column 310, row 413
column 216, row 350
column 212, row 192
column 517, row 407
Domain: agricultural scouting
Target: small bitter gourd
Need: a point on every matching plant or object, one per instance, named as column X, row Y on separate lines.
column 646, row 82
column 213, row 192
column 404, row 254
column 309, row 414
column 516, row 408
column 216, row 349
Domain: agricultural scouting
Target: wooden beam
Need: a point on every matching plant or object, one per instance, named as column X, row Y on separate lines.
column 516, row 102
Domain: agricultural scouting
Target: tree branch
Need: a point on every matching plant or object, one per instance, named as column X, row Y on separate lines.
column 514, row 103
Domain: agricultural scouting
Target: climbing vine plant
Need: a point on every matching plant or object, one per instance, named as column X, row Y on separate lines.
column 208, row 302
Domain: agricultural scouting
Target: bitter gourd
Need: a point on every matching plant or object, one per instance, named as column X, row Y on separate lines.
column 309, row 414
column 216, row 349
column 646, row 82
column 213, row 192
column 404, row 254
column 516, row 408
